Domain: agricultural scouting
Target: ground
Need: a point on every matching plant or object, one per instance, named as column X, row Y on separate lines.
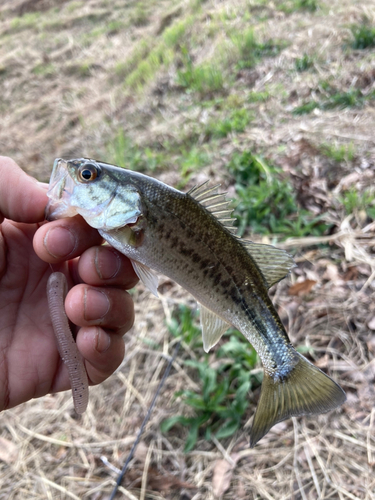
column 275, row 100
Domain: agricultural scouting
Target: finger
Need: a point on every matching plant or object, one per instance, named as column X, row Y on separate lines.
column 22, row 198
column 103, row 352
column 103, row 265
column 108, row 307
column 64, row 239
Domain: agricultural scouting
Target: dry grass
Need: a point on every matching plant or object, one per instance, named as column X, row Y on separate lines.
column 62, row 96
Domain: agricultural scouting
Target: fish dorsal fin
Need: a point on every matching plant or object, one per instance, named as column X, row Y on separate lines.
column 213, row 328
column 215, row 202
column 147, row 276
column 274, row 263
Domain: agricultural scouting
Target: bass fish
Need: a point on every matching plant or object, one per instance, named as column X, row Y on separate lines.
column 190, row 238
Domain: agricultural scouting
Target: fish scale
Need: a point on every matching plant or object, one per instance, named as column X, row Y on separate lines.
column 189, row 238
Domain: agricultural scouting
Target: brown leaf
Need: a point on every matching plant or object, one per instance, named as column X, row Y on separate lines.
column 8, row 451
column 301, row 288
column 222, row 475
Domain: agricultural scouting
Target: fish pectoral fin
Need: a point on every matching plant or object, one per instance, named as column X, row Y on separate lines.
column 213, row 328
column 273, row 262
column 306, row 390
column 148, row 277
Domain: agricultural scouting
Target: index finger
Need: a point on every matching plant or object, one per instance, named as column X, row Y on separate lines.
column 64, row 239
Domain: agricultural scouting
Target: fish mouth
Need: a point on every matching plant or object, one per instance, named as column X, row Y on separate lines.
column 61, row 186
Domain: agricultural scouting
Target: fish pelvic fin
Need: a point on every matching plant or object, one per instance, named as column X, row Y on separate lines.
column 306, row 390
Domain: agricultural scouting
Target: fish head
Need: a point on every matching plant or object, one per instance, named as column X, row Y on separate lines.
column 93, row 190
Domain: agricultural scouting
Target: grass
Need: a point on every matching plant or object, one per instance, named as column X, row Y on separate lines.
column 338, row 152
column 333, row 99
column 304, row 63
column 354, row 201
column 363, row 36
column 221, row 402
column 266, row 202
column 236, row 122
column 205, row 78
column 149, row 57
column 291, row 6
column 124, row 153
column 250, row 50
column 149, row 127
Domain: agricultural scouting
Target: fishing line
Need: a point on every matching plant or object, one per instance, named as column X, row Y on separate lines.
column 145, row 420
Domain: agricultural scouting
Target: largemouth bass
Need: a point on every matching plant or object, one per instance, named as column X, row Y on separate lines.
column 190, row 238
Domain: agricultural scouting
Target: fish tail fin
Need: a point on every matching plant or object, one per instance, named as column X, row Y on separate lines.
column 306, row 390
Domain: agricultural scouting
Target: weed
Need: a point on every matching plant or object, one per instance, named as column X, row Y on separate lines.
column 28, row 20
column 363, row 36
column 354, row 201
column 184, row 324
column 146, row 69
column 305, row 108
column 145, row 61
column 123, row 153
column 266, row 202
column 190, row 161
column 203, row 78
column 139, row 16
column 290, row 6
column 254, row 96
column 222, row 400
column 334, row 99
column 140, row 52
column 45, row 70
column 304, row 63
column 349, row 99
column 250, row 50
column 310, row 5
column 174, row 35
column 339, row 153
column 237, row 121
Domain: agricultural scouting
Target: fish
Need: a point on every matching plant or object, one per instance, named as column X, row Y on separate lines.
column 190, row 237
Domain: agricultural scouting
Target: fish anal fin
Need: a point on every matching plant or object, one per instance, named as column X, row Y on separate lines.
column 213, row 328
column 274, row 263
column 148, row 277
column 305, row 391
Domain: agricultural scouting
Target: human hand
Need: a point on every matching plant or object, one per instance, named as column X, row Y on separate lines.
column 30, row 249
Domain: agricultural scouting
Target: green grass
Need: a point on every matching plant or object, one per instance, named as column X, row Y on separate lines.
column 235, row 122
column 149, row 57
column 338, row 152
column 266, row 201
column 304, row 63
column 45, row 70
column 363, row 36
column 123, row 153
column 332, row 98
column 220, row 403
column 354, row 201
column 250, row 50
column 291, row 6
column 139, row 16
column 205, row 78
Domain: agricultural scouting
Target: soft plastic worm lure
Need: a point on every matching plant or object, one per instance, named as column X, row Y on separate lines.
column 57, row 289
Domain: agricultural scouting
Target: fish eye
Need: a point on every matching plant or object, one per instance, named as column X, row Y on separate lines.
column 88, row 172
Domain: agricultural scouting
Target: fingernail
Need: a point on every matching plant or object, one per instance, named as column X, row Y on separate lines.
column 107, row 263
column 96, row 304
column 102, row 340
column 60, row 242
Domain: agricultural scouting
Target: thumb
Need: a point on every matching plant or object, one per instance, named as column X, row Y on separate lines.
column 22, row 198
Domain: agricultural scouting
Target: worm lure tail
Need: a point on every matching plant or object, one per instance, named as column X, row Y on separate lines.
column 57, row 288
